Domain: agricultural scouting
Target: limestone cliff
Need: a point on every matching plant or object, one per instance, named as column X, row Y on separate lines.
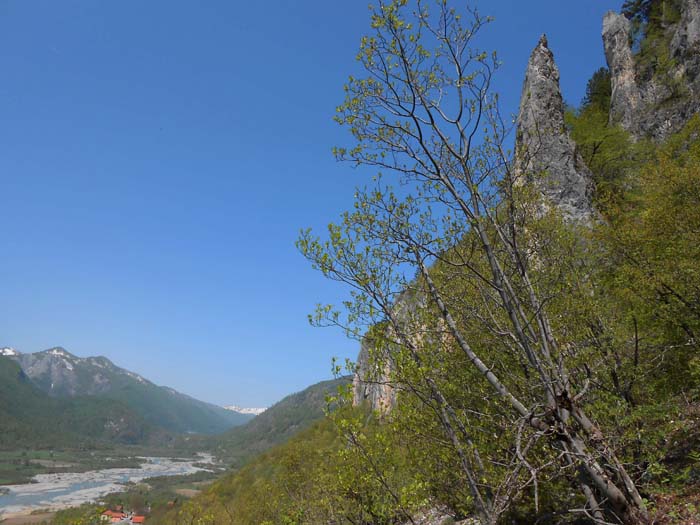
column 545, row 153
column 371, row 383
column 654, row 98
column 625, row 97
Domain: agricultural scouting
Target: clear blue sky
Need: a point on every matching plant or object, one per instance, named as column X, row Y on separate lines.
column 158, row 158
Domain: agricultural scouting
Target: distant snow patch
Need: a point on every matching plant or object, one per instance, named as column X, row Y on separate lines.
column 136, row 376
column 241, row 410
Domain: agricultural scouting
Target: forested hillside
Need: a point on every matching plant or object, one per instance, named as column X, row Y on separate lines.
column 276, row 425
column 61, row 374
column 530, row 319
column 31, row 419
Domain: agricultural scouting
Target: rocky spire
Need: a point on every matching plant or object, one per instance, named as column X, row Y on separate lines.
column 625, row 98
column 544, row 151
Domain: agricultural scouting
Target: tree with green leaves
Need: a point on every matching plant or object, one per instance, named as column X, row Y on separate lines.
column 598, row 90
column 644, row 11
column 512, row 286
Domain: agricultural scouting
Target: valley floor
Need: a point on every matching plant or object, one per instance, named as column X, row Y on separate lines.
column 68, row 489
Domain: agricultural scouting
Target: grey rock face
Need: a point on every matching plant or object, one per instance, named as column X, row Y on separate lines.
column 687, row 34
column 625, row 93
column 62, row 374
column 650, row 102
column 371, row 381
column 545, row 154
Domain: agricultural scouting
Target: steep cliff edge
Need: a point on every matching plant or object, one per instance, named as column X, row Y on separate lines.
column 655, row 96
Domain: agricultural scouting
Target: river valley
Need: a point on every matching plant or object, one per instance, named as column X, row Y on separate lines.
column 56, row 491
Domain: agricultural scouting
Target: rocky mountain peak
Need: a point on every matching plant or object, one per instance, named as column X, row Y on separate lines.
column 545, row 154
column 61, row 374
column 59, row 351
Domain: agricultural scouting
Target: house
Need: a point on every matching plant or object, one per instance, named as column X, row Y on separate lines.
column 138, row 519
column 111, row 516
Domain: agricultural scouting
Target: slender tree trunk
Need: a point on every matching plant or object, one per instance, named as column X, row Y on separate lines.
column 626, row 502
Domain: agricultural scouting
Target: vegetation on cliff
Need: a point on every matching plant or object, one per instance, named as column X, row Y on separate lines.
column 546, row 369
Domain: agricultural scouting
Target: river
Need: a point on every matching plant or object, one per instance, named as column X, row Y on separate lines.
column 55, row 491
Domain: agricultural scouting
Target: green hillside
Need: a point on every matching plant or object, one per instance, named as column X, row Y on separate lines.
column 175, row 411
column 257, row 493
column 261, row 454
column 276, row 425
column 61, row 374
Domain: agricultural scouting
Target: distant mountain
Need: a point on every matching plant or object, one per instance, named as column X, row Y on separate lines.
column 241, row 410
column 31, row 418
column 275, row 425
column 61, row 374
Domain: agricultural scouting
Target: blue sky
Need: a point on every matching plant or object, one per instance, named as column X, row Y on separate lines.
column 158, row 159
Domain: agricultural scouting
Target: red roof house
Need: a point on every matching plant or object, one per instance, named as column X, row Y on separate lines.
column 113, row 516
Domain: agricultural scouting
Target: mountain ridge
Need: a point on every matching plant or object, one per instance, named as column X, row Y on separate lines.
column 61, row 374
column 31, row 417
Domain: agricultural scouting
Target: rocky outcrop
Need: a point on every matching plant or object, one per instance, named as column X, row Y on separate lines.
column 625, row 97
column 652, row 99
column 686, row 34
column 545, row 153
column 371, row 382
